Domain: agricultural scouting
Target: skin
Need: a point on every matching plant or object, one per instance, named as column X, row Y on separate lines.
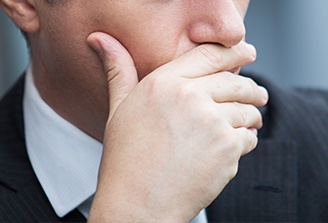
column 188, row 154
column 154, row 81
column 72, row 70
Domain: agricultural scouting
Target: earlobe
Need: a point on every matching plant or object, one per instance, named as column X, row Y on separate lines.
column 22, row 13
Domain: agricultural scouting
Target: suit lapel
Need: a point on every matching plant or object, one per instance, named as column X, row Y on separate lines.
column 265, row 188
column 22, row 198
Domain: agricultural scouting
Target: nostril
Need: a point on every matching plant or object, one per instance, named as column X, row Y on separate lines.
column 268, row 188
column 227, row 34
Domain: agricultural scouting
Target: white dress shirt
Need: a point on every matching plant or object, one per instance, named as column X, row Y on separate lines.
column 65, row 159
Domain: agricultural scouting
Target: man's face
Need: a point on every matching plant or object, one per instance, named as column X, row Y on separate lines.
column 153, row 31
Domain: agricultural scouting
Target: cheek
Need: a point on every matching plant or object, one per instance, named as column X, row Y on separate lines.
column 150, row 47
column 70, row 61
column 149, row 56
column 151, row 38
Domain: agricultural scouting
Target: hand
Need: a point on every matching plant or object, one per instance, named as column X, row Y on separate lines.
column 173, row 141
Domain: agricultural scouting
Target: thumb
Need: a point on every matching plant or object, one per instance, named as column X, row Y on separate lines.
column 118, row 66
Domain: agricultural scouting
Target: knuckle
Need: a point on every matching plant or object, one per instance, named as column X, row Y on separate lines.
column 237, row 86
column 244, row 88
column 228, row 153
column 249, row 116
column 233, row 170
column 212, row 118
column 227, row 140
column 252, row 91
column 244, row 113
column 153, row 80
column 249, row 81
column 259, row 118
column 252, row 88
column 186, row 91
column 250, row 141
column 213, row 59
column 154, row 83
column 112, row 70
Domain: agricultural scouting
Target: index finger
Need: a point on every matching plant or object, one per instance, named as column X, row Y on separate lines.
column 207, row 59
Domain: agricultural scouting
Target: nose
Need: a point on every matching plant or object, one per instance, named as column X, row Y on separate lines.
column 215, row 21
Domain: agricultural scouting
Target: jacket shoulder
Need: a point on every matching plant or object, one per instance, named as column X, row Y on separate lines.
column 21, row 195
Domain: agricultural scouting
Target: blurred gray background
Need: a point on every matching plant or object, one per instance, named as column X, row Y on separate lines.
column 291, row 37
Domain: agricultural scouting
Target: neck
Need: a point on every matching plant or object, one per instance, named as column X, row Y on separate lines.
column 71, row 99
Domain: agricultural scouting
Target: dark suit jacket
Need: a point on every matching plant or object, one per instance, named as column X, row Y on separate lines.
column 285, row 179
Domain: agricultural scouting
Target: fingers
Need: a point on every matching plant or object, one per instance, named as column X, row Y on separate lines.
column 210, row 58
column 118, row 66
column 241, row 115
column 227, row 87
column 248, row 138
column 243, row 120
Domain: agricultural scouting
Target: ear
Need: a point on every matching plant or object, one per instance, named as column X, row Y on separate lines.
column 22, row 13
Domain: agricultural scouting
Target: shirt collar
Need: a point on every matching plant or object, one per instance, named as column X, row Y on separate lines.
column 65, row 159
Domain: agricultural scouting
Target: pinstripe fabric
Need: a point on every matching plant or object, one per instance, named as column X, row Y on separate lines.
column 284, row 180
column 21, row 196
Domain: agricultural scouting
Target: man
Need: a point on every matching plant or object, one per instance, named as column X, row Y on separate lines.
column 173, row 117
